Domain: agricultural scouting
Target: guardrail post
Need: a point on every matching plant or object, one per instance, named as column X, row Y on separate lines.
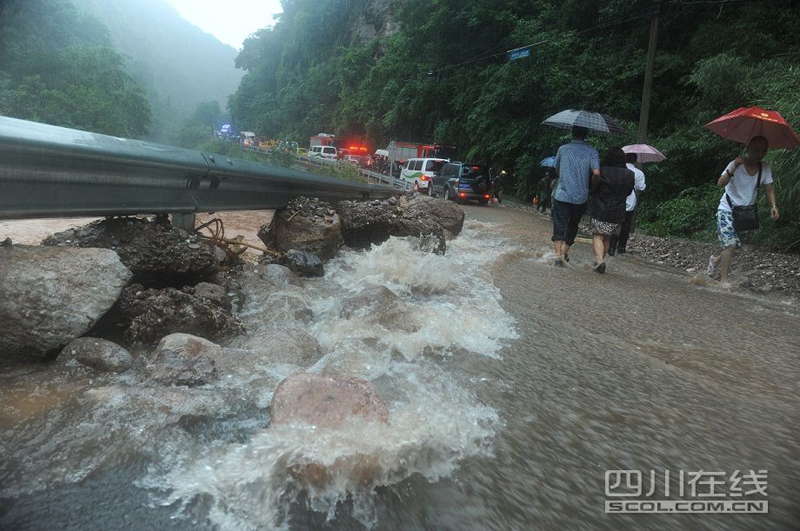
column 184, row 221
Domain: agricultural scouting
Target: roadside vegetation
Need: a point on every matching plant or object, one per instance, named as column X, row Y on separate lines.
column 443, row 76
column 437, row 71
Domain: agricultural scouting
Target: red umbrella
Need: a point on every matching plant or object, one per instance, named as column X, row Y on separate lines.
column 746, row 122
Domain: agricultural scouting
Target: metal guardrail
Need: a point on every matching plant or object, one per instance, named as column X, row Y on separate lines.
column 49, row 171
column 379, row 178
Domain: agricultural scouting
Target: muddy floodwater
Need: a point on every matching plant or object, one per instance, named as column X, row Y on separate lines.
column 512, row 388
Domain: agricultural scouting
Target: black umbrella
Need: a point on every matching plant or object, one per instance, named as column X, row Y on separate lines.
column 594, row 121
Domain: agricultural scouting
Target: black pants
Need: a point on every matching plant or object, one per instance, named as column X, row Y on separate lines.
column 566, row 217
column 621, row 241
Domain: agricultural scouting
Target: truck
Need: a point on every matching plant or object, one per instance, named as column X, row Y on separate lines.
column 402, row 151
column 322, row 139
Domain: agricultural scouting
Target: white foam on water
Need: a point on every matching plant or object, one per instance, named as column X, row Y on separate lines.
column 450, row 301
column 429, row 432
column 445, row 304
column 441, row 305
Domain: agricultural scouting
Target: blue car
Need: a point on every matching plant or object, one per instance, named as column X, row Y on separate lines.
column 462, row 182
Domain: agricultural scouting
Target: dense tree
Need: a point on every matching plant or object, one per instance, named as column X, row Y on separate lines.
column 444, row 76
column 178, row 65
column 57, row 66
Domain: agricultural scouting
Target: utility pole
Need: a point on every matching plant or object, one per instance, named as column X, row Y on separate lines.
column 644, row 114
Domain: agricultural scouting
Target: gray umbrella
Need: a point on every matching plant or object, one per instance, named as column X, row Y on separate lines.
column 590, row 120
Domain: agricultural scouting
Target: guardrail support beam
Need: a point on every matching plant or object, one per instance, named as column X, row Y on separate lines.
column 184, row 221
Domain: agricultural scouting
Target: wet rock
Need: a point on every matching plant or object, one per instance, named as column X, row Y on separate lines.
column 277, row 274
column 304, row 263
column 397, row 316
column 373, row 297
column 157, row 253
column 280, row 306
column 183, row 359
column 149, row 314
column 96, row 353
column 212, row 292
column 280, row 342
column 306, row 224
column 446, row 213
column 431, row 243
column 49, row 296
column 378, row 305
column 372, row 222
column 326, row 401
column 264, row 301
column 356, row 358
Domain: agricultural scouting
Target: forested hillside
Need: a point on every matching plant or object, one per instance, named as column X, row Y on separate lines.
column 57, row 65
column 443, row 76
column 131, row 68
column 178, row 64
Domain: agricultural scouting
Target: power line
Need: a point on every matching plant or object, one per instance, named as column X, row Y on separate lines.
column 711, row 2
column 538, row 43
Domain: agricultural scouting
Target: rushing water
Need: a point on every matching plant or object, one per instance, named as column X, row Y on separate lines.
column 210, row 450
column 511, row 386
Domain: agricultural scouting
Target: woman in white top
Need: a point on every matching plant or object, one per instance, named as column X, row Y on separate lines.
column 740, row 179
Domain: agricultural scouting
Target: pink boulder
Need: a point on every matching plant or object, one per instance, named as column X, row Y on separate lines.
column 326, row 401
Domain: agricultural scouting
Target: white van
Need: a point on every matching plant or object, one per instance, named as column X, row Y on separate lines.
column 421, row 173
column 324, row 152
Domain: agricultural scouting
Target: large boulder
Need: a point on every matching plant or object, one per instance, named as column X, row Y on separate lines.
column 146, row 315
column 157, row 253
column 329, row 402
column 306, row 224
column 99, row 354
column 49, row 295
column 183, row 359
column 325, row 401
column 446, row 213
column 365, row 223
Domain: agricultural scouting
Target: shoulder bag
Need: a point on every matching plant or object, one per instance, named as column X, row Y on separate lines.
column 745, row 218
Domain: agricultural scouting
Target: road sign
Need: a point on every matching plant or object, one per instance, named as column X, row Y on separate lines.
column 519, row 53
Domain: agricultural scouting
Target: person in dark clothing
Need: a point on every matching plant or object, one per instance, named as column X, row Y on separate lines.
column 607, row 202
column 619, row 241
column 545, row 191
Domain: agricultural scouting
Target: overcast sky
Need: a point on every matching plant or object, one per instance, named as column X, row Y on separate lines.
column 230, row 21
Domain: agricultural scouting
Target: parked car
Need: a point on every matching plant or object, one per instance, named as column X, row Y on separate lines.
column 462, row 181
column 324, row 152
column 421, row 172
column 362, row 161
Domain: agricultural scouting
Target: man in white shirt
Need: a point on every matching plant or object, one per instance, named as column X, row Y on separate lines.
column 740, row 179
column 618, row 242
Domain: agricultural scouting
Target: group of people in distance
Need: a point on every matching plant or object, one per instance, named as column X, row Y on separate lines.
column 610, row 189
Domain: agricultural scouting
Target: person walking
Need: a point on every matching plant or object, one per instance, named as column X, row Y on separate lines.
column 619, row 242
column 741, row 179
column 545, row 191
column 575, row 163
column 607, row 203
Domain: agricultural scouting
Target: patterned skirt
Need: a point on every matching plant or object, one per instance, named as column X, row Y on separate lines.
column 603, row 227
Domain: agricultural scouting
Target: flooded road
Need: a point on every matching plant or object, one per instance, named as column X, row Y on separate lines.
column 512, row 388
